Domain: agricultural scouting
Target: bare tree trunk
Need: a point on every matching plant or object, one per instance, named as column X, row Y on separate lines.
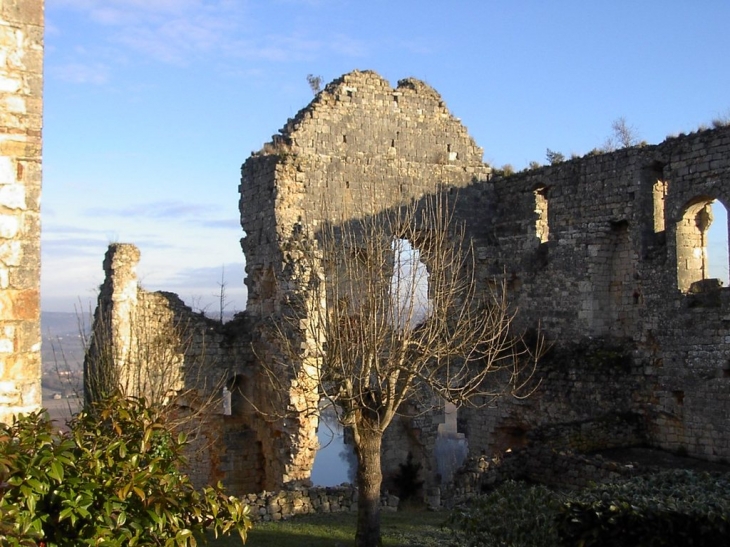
column 369, row 478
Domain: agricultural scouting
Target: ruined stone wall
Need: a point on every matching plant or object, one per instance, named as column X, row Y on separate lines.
column 21, row 91
column 151, row 344
column 360, row 148
column 602, row 253
column 632, row 329
column 605, row 254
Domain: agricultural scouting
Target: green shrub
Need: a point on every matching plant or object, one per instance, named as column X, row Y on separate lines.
column 513, row 515
column 114, row 479
column 554, row 157
column 672, row 508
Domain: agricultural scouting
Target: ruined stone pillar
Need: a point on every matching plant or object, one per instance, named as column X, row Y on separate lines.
column 114, row 320
column 21, row 89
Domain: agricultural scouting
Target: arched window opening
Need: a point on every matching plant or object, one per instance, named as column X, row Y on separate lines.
column 542, row 229
column 702, row 250
column 409, row 286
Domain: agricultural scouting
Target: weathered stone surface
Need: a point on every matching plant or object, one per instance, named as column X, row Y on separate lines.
column 21, row 73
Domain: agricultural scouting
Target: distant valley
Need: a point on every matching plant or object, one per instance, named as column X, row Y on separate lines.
column 62, row 355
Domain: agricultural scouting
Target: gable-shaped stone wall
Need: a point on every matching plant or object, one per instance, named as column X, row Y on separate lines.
column 360, row 148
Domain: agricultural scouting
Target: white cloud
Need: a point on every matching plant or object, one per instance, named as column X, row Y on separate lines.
column 167, row 30
column 177, row 40
column 181, row 31
column 169, row 209
column 81, row 73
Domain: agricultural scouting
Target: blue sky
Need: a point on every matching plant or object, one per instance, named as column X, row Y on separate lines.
column 151, row 106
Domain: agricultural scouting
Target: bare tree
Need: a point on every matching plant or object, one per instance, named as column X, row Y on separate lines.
column 389, row 326
column 222, row 300
column 623, row 135
column 315, row 83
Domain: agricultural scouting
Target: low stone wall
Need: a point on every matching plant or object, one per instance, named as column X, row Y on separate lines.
column 563, row 455
column 268, row 506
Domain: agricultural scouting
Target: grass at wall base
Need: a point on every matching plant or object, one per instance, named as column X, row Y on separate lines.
column 399, row 529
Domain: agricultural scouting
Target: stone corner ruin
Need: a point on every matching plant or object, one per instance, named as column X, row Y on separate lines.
column 606, row 253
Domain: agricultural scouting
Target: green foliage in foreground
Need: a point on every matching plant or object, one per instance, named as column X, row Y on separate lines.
column 114, row 480
column 669, row 509
column 399, row 529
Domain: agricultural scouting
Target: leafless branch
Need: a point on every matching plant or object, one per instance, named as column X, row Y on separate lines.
column 385, row 325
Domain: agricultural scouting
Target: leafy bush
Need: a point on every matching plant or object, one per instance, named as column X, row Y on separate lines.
column 672, row 508
column 114, row 479
column 513, row 515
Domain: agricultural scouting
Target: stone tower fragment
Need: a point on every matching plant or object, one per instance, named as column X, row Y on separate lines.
column 21, row 89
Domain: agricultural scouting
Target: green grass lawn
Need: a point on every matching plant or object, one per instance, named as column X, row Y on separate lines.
column 403, row 528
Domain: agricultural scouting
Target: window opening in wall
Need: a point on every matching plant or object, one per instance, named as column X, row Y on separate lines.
column 717, row 244
column 226, row 398
column 702, row 245
column 409, row 285
column 451, row 447
column 335, row 461
column 234, row 395
column 541, row 210
column 659, row 192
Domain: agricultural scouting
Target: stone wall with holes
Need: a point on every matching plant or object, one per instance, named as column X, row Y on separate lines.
column 21, row 110
column 283, row 504
column 604, row 256
column 618, row 287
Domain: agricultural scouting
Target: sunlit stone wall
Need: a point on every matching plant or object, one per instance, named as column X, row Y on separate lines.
column 21, row 108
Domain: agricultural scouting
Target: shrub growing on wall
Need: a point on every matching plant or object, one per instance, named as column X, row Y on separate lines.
column 114, row 478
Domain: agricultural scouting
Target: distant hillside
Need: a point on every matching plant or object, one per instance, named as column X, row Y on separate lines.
column 62, row 336
column 63, row 323
column 62, row 357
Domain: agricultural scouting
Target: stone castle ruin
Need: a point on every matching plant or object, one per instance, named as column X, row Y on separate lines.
column 606, row 253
